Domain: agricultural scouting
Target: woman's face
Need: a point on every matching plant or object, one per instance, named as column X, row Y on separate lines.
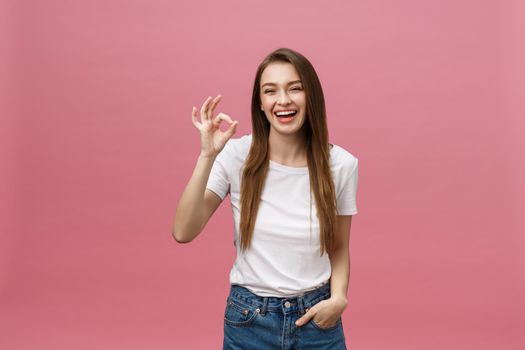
column 282, row 91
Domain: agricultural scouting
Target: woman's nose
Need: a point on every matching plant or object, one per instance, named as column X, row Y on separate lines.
column 283, row 98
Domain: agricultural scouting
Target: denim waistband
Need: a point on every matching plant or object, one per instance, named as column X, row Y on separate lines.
column 300, row 303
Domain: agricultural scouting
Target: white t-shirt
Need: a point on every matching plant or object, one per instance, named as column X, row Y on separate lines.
column 284, row 259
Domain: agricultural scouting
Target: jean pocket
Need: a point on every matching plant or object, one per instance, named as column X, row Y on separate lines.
column 337, row 323
column 237, row 314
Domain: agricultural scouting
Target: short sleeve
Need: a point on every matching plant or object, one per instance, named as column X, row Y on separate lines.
column 219, row 180
column 346, row 199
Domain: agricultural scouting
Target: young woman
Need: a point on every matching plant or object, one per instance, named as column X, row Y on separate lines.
column 293, row 195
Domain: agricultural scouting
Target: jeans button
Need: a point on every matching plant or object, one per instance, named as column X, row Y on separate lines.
column 287, row 304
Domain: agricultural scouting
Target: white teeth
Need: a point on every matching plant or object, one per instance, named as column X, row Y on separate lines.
column 285, row 113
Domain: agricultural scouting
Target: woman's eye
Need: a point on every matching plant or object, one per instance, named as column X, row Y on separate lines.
column 297, row 88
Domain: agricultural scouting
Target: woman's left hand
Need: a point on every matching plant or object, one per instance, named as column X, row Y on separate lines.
column 325, row 313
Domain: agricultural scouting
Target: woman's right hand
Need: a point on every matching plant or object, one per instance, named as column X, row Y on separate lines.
column 212, row 138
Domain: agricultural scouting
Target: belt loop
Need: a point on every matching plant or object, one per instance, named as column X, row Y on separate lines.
column 300, row 304
column 264, row 305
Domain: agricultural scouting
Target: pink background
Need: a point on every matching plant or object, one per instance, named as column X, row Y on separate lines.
column 97, row 144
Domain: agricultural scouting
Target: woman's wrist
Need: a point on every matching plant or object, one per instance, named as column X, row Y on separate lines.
column 207, row 156
column 340, row 300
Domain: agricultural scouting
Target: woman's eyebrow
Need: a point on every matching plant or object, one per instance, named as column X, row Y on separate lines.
column 291, row 82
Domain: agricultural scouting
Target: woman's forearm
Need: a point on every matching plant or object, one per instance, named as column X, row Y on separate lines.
column 188, row 222
column 340, row 261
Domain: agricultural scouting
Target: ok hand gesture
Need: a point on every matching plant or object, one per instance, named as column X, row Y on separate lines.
column 212, row 138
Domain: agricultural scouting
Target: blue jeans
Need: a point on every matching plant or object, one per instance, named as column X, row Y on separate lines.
column 253, row 322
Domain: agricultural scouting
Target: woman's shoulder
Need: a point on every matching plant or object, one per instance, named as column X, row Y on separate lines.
column 342, row 158
column 239, row 146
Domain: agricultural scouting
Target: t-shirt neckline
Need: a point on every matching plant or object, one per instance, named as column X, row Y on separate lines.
column 293, row 169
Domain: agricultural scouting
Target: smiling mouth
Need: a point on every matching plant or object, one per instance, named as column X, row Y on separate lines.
column 286, row 114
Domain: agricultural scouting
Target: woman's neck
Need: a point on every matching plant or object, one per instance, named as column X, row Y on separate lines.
column 288, row 150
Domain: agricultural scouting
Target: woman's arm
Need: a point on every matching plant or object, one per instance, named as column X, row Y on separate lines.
column 340, row 259
column 196, row 204
column 327, row 312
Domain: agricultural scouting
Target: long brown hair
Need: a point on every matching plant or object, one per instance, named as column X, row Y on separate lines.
column 318, row 152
